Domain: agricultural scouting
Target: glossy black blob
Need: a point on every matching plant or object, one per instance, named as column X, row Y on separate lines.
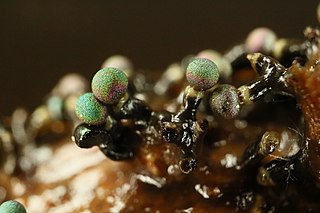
column 184, row 131
column 116, row 153
column 191, row 102
column 225, row 101
column 134, row 109
column 271, row 80
column 87, row 136
column 185, row 136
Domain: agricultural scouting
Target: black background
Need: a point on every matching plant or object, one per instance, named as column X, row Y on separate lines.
column 42, row 40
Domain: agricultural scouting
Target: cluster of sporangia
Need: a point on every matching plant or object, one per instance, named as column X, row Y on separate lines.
column 112, row 109
column 114, row 118
column 105, row 109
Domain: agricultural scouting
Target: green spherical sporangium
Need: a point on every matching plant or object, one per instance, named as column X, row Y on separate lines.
column 202, row 73
column 12, row 206
column 90, row 110
column 109, row 85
